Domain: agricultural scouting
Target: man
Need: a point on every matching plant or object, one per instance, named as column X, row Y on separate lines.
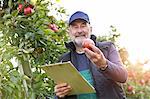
column 101, row 66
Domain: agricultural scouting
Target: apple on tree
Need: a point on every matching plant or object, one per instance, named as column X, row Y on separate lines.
column 130, row 88
column 53, row 27
column 26, row 8
column 20, row 7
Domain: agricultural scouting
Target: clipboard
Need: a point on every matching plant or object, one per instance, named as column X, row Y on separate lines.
column 66, row 73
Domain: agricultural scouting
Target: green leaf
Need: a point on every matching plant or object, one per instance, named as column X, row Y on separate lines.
column 27, row 51
column 15, row 13
column 10, row 64
column 43, row 42
column 58, row 0
column 23, row 27
column 10, row 4
column 29, row 35
column 21, row 45
column 8, row 23
column 47, row 31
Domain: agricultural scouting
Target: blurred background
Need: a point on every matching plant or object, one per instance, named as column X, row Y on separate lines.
column 131, row 18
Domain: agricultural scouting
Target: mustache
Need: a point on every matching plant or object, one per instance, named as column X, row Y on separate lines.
column 79, row 40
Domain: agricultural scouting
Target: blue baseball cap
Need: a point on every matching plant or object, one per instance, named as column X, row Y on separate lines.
column 79, row 15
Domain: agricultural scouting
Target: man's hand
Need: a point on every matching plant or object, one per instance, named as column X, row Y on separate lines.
column 96, row 56
column 62, row 90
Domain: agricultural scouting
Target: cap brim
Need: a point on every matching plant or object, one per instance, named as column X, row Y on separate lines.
column 80, row 18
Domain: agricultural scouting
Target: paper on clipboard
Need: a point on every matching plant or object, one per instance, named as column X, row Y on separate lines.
column 67, row 73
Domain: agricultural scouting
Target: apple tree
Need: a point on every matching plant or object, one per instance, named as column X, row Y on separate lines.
column 29, row 38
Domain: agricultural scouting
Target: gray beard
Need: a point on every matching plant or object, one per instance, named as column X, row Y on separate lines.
column 78, row 41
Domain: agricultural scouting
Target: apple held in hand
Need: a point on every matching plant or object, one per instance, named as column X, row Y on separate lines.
column 86, row 43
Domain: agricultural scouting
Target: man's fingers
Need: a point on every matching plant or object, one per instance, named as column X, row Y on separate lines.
column 90, row 54
column 64, row 92
column 96, row 56
column 94, row 48
column 62, row 89
column 61, row 85
column 57, row 90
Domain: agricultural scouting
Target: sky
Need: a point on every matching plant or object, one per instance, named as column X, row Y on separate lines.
column 130, row 17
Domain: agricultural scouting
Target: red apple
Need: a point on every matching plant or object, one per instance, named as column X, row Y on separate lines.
column 130, row 88
column 27, row 10
column 53, row 27
column 86, row 43
column 20, row 6
column 50, row 26
column 142, row 81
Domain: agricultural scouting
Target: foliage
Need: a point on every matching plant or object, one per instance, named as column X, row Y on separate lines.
column 138, row 83
column 112, row 36
column 28, row 38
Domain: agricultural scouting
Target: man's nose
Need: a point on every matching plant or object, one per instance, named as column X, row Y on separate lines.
column 79, row 30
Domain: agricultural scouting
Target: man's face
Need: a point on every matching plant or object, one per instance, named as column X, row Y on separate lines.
column 79, row 30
